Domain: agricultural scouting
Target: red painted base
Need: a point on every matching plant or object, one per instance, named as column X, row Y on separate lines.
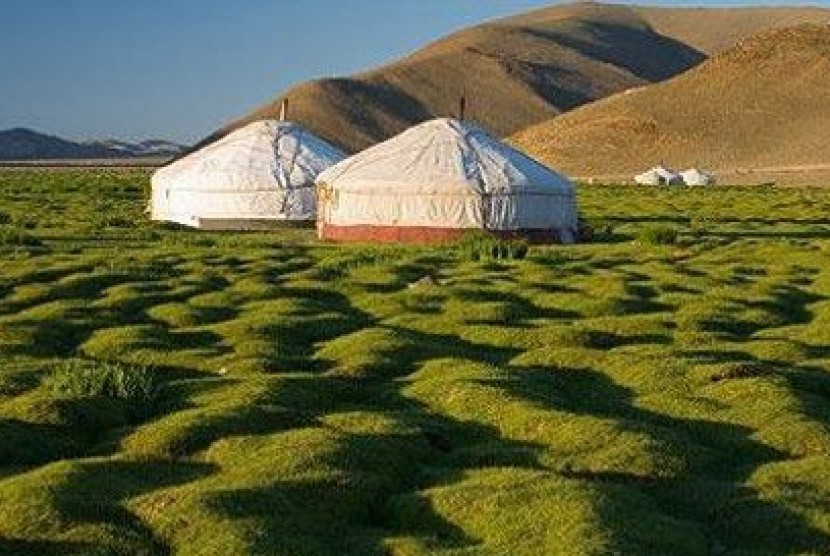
column 422, row 234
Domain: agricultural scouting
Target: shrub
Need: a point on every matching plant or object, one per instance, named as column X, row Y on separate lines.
column 598, row 230
column 658, row 235
column 482, row 246
column 5, row 218
column 518, row 249
column 135, row 385
column 15, row 237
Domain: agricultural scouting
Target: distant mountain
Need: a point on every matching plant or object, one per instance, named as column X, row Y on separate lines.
column 26, row 144
column 151, row 147
column 762, row 104
column 523, row 70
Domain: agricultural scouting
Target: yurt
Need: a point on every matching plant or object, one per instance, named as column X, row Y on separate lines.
column 696, row 177
column 438, row 180
column 257, row 176
column 659, row 175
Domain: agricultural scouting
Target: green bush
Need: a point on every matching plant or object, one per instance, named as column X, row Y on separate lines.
column 658, row 235
column 596, row 229
column 5, row 218
column 518, row 249
column 136, row 385
column 482, row 246
column 15, row 237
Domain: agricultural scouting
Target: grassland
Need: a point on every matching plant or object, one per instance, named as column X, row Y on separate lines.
column 170, row 391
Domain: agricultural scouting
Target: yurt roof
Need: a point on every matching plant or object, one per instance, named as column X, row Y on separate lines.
column 284, row 152
column 663, row 171
column 444, row 155
column 696, row 173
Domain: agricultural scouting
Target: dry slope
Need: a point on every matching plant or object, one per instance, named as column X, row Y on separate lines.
column 762, row 104
column 522, row 70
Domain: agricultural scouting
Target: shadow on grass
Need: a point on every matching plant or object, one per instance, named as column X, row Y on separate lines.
column 402, row 356
column 741, row 234
column 373, row 478
column 708, row 491
column 518, row 308
column 97, row 490
column 23, row 443
column 787, row 305
column 297, row 338
column 79, row 425
column 18, row 547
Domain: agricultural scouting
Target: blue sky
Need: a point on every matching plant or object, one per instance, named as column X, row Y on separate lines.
column 180, row 68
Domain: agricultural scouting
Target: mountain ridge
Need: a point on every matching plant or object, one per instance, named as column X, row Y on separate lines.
column 520, row 70
column 24, row 144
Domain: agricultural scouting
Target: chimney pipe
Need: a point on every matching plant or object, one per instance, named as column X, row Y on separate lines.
column 462, row 107
column 284, row 110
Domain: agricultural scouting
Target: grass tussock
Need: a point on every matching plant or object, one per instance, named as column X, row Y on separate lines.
column 658, row 235
column 13, row 236
column 483, row 247
column 79, row 379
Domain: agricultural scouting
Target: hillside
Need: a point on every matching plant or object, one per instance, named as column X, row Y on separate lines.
column 762, row 104
column 25, row 144
column 521, row 70
column 22, row 144
column 149, row 147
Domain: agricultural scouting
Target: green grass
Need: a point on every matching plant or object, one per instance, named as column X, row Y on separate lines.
column 138, row 388
column 164, row 390
column 658, row 235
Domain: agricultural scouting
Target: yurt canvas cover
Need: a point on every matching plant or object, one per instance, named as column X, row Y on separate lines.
column 261, row 173
column 659, row 175
column 438, row 179
column 693, row 176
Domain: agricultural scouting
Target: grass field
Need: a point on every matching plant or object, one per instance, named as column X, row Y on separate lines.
column 665, row 390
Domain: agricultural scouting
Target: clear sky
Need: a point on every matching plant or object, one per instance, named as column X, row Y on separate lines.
column 178, row 69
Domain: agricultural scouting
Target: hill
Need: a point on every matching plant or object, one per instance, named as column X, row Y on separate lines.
column 521, row 70
column 21, row 144
column 25, row 144
column 762, row 104
column 149, row 147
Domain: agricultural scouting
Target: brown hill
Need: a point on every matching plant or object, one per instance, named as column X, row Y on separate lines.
column 709, row 30
column 520, row 70
column 760, row 105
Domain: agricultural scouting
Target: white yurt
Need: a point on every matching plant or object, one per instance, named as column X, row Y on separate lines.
column 254, row 177
column 659, row 175
column 694, row 177
column 439, row 179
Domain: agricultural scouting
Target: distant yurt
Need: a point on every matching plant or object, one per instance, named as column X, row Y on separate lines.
column 695, row 177
column 438, row 180
column 258, row 176
column 659, row 175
